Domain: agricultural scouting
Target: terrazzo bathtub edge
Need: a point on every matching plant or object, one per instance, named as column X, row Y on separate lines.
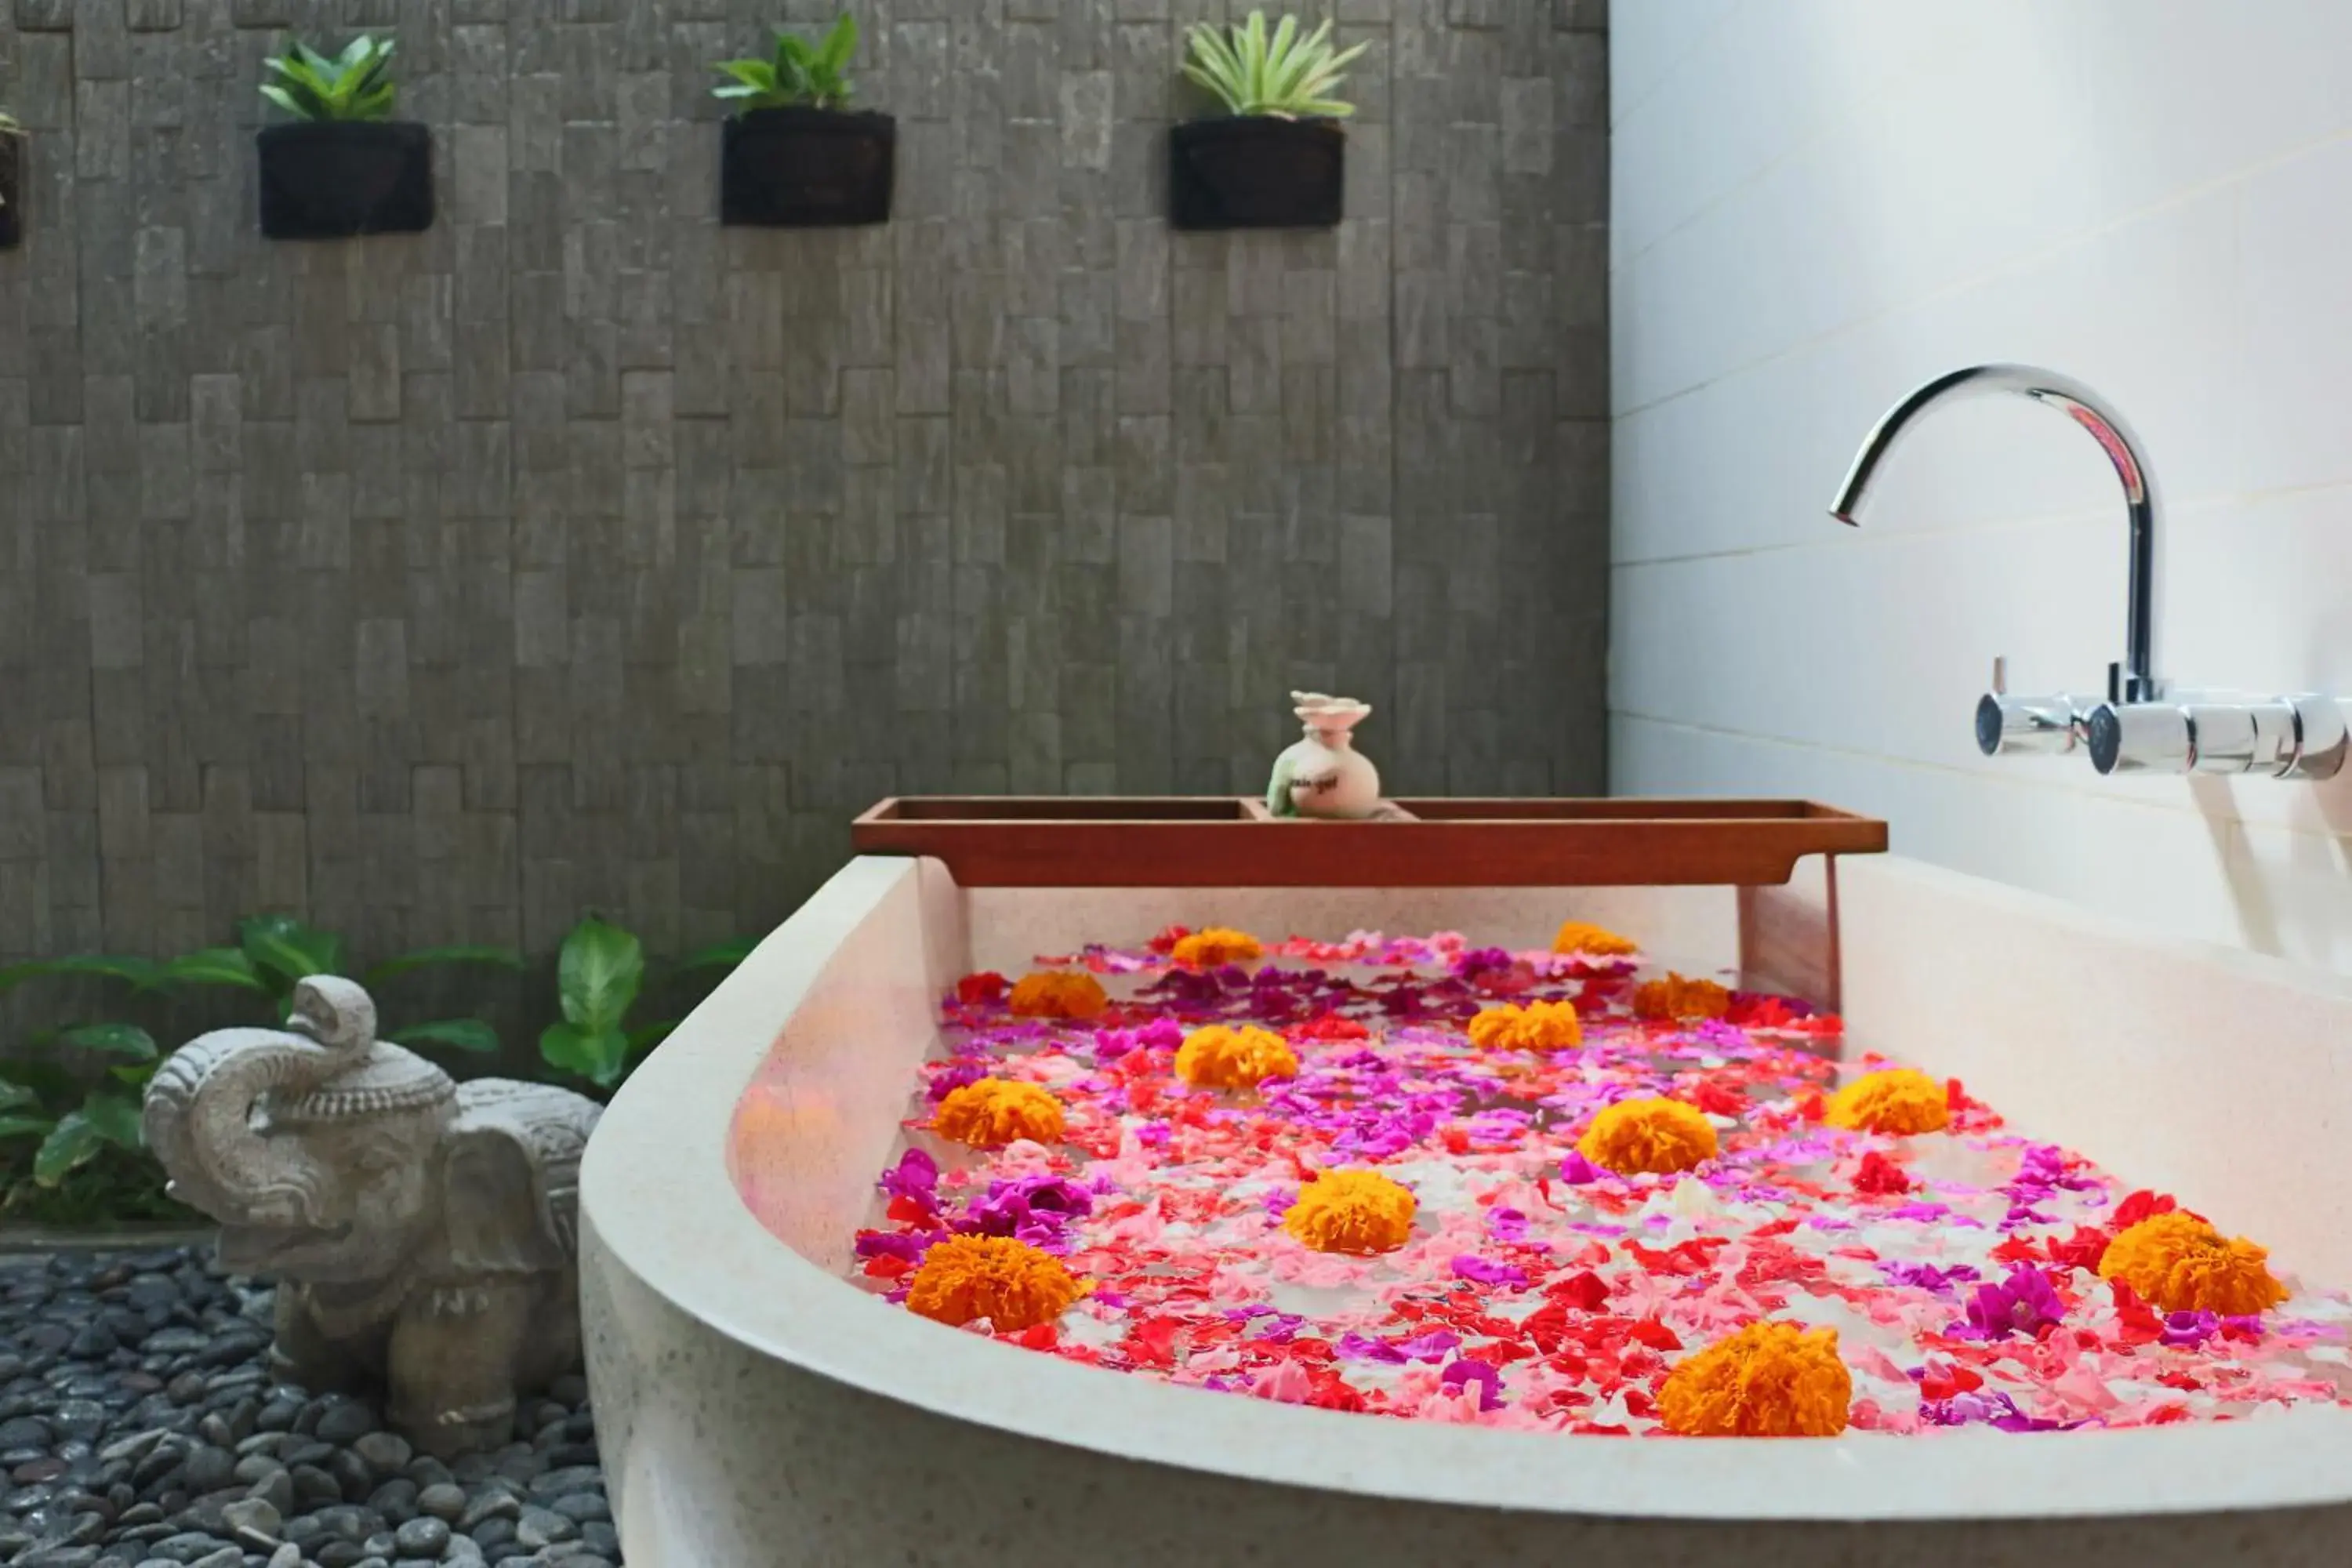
column 757, row 1407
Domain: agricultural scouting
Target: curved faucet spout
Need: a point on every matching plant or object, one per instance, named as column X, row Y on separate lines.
column 2134, row 681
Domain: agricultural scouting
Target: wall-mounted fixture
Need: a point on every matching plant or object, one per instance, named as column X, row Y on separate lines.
column 12, row 181
column 1277, row 157
column 795, row 155
column 2142, row 726
column 344, row 167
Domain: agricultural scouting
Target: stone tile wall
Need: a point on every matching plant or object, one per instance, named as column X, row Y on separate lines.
column 581, row 553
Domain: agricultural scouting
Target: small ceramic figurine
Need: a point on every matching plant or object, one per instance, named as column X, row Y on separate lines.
column 1323, row 774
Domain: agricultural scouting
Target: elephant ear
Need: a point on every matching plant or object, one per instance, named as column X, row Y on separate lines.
column 512, row 1176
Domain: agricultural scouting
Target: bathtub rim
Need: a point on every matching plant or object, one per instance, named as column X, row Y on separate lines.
column 673, row 1117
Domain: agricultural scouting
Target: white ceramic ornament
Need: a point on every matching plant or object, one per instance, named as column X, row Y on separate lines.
column 1324, row 774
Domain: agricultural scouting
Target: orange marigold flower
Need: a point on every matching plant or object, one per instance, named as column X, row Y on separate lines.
column 1596, row 941
column 1540, row 1026
column 1678, row 996
column 1219, row 1056
column 2180, row 1263
column 1360, row 1212
column 1898, row 1100
column 1218, row 944
column 996, row 1111
column 1058, row 994
column 1768, row 1380
column 1657, row 1135
column 1014, row 1285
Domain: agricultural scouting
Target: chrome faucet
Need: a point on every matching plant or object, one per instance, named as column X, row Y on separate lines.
column 2139, row 728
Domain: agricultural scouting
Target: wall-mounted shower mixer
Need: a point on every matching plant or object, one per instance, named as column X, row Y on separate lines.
column 2140, row 727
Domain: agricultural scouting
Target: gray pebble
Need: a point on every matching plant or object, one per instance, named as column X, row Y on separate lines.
column 252, row 1522
column 395, row 1500
column 276, row 1491
column 583, row 1507
column 344, row 1423
column 210, row 1469
column 339, row 1555
column 601, row 1537
column 313, row 1486
column 287, row 1556
column 385, row 1452
column 257, row 1467
column 227, row 1557
column 493, row 1533
column 25, row 1432
column 422, row 1537
column 542, row 1527
column 448, row 1502
column 380, row 1544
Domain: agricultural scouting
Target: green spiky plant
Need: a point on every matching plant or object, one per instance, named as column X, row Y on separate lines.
column 801, row 75
column 350, row 85
column 1278, row 74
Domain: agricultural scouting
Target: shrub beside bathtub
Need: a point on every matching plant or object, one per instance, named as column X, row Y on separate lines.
column 1277, row 157
column 795, row 155
column 344, row 167
column 72, row 1151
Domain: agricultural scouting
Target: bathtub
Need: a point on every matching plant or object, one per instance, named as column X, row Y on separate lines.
column 756, row 1408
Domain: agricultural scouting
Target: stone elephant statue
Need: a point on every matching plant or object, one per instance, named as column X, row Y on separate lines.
column 423, row 1233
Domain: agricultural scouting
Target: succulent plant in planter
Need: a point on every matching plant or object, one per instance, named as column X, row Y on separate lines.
column 12, row 181
column 346, row 166
column 1277, row 158
column 795, row 156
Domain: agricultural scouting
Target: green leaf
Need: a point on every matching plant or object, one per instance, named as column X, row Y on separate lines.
column 642, row 1040
column 136, row 1075
column 597, row 1055
column 598, row 976
column 286, row 947
column 759, row 74
column 840, row 45
column 458, row 1034
column 136, row 971
column 127, row 1041
column 115, row 1118
column 719, row 955
column 74, row 1140
column 435, row 957
column 214, row 966
column 14, row 1127
column 13, row 1095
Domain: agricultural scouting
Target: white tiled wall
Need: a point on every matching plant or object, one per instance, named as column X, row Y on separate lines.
column 1819, row 203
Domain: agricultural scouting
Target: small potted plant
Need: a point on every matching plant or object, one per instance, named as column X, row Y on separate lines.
column 1277, row 159
column 346, row 166
column 794, row 156
column 12, row 181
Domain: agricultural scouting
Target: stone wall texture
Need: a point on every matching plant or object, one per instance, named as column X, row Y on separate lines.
column 583, row 553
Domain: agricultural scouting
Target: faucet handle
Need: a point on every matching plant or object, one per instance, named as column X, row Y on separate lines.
column 2006, row 723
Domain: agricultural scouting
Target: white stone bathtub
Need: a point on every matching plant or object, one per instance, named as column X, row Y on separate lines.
column 756, row 1408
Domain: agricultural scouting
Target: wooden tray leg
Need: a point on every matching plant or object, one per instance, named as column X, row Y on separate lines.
column 1789, row 936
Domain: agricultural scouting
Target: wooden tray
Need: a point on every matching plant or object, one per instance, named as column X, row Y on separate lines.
column 1213, row 841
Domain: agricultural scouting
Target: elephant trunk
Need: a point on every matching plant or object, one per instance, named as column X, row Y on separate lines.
column 199, row 1120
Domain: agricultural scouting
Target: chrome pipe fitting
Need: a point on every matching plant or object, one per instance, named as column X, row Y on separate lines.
column 2290, row 738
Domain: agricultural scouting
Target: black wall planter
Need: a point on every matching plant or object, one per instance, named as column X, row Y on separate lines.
column 807, row 168
column 1256, row 172
column 324, row 180
column 11, row 191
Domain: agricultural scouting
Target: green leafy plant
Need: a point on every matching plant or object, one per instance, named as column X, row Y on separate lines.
column 802, row 74
column 71, row 1149
column 1281, row 74
column 353, row 85
column 599, row 976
